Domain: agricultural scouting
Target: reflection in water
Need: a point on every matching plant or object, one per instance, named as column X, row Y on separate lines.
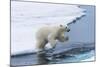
column 74, row 52
column 41, row 58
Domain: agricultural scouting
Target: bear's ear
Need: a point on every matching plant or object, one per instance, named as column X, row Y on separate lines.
column 61, row 25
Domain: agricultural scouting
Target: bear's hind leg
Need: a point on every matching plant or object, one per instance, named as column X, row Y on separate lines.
column 41, row 44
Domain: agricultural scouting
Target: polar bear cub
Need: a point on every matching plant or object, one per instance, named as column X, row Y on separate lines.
column 51, row 34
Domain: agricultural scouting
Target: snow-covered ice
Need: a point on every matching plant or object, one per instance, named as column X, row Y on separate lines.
column 28, row 17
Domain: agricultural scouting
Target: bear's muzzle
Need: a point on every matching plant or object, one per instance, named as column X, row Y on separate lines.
column 68, row 30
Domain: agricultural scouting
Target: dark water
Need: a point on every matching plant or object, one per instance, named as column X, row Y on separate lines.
column 81, row 45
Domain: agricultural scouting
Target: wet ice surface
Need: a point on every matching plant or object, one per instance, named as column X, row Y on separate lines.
column 70, row 53
column 80, row 47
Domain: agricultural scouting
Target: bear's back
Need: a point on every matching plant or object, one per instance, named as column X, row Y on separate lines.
column 43, row 32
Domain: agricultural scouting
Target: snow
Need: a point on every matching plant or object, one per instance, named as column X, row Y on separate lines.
column 28, row 17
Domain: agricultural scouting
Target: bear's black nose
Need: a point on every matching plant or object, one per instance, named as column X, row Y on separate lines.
column 68, row 30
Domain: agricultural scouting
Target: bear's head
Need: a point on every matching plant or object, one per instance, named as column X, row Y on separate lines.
column 62, row 33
